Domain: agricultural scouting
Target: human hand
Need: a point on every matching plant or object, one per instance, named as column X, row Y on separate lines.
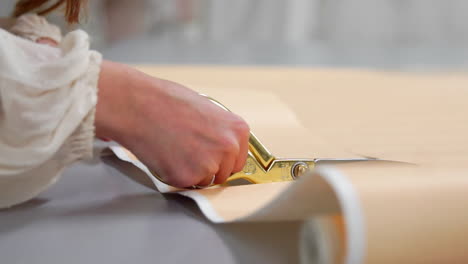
column 173, row 130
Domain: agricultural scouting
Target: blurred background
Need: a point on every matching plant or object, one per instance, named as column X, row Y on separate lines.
column 381, row 34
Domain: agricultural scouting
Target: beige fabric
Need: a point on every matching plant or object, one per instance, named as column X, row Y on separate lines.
column 412, row 117
column 47, row 103
column 412, row 214
column 392, row 212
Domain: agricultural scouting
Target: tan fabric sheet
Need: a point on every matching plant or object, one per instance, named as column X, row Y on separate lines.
column 413, row 117
column 414, row 211
column 412, row 214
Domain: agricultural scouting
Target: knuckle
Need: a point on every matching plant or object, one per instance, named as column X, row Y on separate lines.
column 240, row 126
column 229, row 144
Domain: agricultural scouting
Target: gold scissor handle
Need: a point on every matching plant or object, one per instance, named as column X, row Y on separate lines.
column 256, row 148
column 261, row 166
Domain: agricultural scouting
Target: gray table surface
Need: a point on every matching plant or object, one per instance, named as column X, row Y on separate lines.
column 96, row 214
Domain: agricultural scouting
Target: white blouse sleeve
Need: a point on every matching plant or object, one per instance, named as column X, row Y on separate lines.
column 33, row 27
column 47, row 103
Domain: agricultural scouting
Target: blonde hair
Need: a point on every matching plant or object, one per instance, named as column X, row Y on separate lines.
column 72, row 8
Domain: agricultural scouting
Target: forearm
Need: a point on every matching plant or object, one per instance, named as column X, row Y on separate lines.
column 112, row 109
column 121, row 90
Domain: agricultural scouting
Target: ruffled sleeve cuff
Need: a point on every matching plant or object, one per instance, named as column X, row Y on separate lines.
column 79, row 145
column 49, row 96
column 34, row 27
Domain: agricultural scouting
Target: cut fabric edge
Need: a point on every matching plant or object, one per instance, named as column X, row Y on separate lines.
column 353, row 214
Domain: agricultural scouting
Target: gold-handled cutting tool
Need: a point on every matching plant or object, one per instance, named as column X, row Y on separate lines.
column 262, row 167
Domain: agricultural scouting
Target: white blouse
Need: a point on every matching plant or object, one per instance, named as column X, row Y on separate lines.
column 47, row 103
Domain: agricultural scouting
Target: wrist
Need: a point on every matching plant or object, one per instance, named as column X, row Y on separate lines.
column 113, row 119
